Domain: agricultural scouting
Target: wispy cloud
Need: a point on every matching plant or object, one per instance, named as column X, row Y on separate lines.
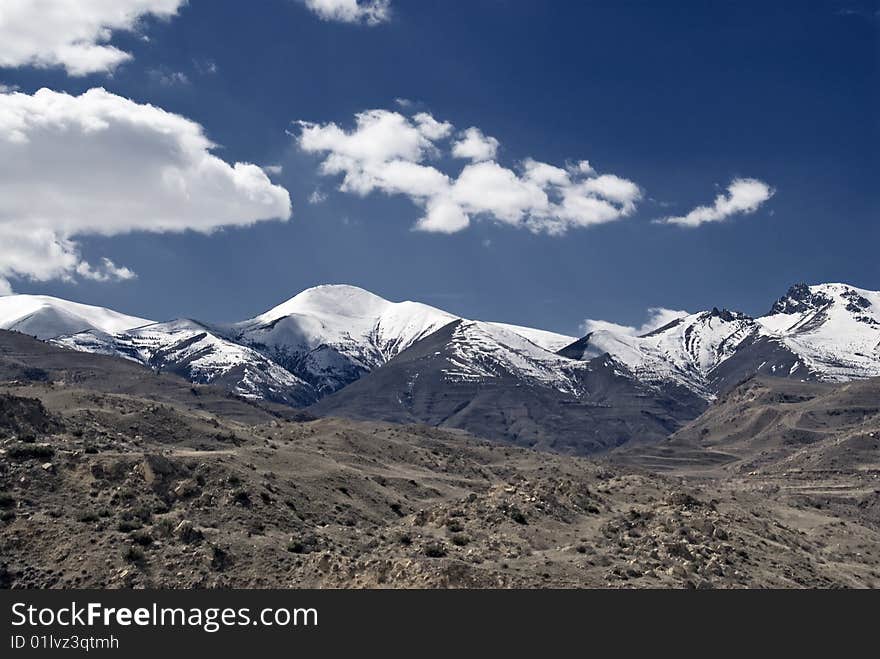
column 868, row 14
column 744, row 196
column 107, row 271
column 169, row 78
column 205, row 66
column 657, row 318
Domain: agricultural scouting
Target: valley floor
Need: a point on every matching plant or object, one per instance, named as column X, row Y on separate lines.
column 122, row 490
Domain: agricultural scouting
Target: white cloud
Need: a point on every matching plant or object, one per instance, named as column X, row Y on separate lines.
column 72, row 33
column 169, row 78
column 274, row 170
column 100, row 164
column 108, row 271
column 744, row 195
column 379, row 136
column 317, row 197
column 205, row 66
column 475, row 146
column 582, row 166
column 657, row 318
column 371, row 12
column 431, row 128
column 388, row 152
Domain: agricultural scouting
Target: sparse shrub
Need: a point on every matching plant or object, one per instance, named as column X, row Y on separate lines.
column 27, row 451
column 164, row 528
column 134, row 554
column 454, row 526
column 129, row 525
column 143, row 513
column 242, row 498
column 143, row 538
column 87, row 517
column 6, row 500
column 220, row 558
column 460, row 540
column 187, row 532
column 296, row 547
column 435, row 550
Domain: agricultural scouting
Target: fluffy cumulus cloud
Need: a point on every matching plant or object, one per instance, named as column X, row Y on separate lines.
column 744, row 195
column 73, row 34
column 657, row 318
column 389, row 152
column 475, row 146
column 100, row 164
column 370, row 12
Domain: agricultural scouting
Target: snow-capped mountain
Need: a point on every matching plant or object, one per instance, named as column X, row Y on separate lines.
column 198, row 353
column 542, row 338
column 495, row 383
column 328, row 337
column 822, row 332
column 479, row 351
column 332, row 335
column 46, row 317
column 833, row 328
column 313, row 344
column 685, row 351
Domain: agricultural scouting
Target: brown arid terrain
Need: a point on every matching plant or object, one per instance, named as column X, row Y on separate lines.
column 114, row 477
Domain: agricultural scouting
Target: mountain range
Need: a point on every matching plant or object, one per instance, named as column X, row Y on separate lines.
column 342, row 351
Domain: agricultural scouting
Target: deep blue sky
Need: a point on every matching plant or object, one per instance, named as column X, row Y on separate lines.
column 680, row 97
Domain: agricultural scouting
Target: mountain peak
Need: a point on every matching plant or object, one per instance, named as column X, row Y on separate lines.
column 47, row 317
column 342, row 300
column 800, row 298
column 727, row 315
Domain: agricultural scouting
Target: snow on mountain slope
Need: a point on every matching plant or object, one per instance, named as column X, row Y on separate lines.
column 542, row 338
column 331, row 335
column 833, row 328
column 327, row 337
column 823, row 332
column 486, row 350
column 683, row 352
column 496, row 384
column 46, row 317
column 196, row 352
column 315, row 343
